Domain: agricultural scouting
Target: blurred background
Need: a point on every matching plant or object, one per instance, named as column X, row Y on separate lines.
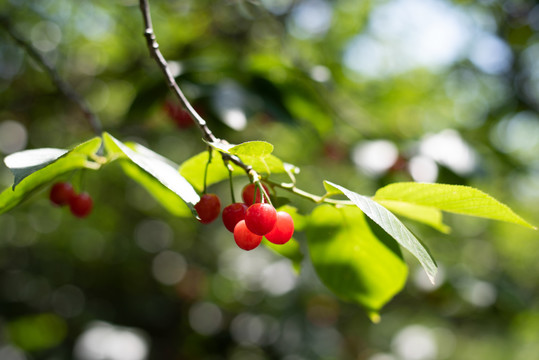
column 362, row 93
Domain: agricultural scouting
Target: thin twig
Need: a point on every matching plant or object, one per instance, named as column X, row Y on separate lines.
column 155, row 53
column 64, row 87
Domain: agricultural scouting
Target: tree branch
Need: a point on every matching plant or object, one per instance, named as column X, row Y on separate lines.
column 63, row 86
column 156, row 54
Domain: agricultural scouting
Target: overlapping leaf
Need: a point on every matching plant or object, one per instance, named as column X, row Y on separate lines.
column 351, row 260
column 159, row 168
column 452, row 198
column 394, row 227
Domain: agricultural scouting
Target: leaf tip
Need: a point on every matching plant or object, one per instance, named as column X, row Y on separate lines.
column 374, row 316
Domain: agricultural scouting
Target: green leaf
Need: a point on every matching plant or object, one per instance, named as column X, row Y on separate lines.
column 249, row 148
column 160, row 168
column 252, row 148
column 30, row 176
column 168, row 199
column 424, row 214
column 457, row 199
column 351, row 260
column 24, row 163
column 394, row 227
column 193, row 168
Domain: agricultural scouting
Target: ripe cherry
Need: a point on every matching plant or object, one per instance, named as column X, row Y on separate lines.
column 232, row 214
column 208, row 208
column 61, row 192
column 180, row 116
column 244, row 238
column 260, row 218
column 283, row 229
column 248, row 194
column 81, row 204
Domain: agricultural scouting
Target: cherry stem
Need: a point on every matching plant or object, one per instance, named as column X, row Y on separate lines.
column 263, row 193
column 314, row 198
column 210, row 153
column 229, row 168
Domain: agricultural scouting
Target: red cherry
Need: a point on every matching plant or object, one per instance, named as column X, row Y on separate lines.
column 283, row 229
column 244, row 238
column 232, row 214
column 208, row 208
column 180, row 116
column 248, row 194
column 61, row 192
column 81, row 204
column 260, row 218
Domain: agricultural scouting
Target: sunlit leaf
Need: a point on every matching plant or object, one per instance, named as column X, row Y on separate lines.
column 162, row 169
column 351, row 260
column 193, row 168
column 457, row 199
column 45, row 169
column 394, row 227
column 252, row 148
column 424, row 214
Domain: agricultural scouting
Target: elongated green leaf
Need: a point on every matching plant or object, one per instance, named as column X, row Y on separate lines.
column 424, row 214
column 24, row 163
column 193, row 168
column 351, row 260
column 162, row 169
column 457, row 199
column 32, row 175
column 394, row 227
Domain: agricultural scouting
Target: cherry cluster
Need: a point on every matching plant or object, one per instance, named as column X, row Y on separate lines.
column 250, row 220
column 63, row 193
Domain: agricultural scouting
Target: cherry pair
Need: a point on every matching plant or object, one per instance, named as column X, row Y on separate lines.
column 63, row 193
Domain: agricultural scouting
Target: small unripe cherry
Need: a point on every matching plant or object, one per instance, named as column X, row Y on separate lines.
column 61, row 192
column 248, row 194
column 208, row 208
column 232, row 214
column 283, row 229
column 260, row 218
column 244, row 238
column 81, row 205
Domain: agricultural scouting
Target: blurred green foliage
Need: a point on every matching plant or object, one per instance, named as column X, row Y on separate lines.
column 324, row 82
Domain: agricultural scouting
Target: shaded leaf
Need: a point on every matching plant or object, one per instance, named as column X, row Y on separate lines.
column 291, row 250
column 394, row 227
column 168, row 199
column 457, row 199
column 162, row 169
column 351, row 260
column 44, row 170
